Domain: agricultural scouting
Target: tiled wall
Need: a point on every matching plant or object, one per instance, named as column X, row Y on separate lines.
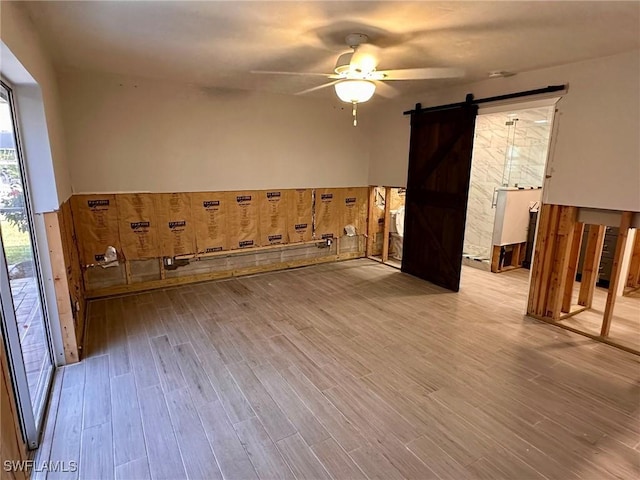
column 503, row 155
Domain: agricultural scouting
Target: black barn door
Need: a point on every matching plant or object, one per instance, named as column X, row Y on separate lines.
column 437, row 191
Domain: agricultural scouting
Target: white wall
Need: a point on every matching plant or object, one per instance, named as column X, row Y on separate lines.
column 126, row 134
column 24, row 61
column 595, row 161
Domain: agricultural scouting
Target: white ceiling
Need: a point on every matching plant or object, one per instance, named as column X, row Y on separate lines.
column 217, row 44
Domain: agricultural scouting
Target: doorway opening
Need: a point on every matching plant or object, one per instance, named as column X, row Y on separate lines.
column 386, row 216
column 510, row 151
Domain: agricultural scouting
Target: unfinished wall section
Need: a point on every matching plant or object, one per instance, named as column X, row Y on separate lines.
column 161, row 240
column 556, row 260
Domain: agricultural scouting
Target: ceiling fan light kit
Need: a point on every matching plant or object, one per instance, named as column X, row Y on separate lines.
column 356, row 76
column 355, row 91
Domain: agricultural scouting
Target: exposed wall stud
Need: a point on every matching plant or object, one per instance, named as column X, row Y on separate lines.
column 625, row 224
column 574, row 258
column 593, row 252
column 387, row 219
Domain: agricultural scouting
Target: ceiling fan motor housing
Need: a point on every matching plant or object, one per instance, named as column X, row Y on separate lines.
column 355, row 39
column 343, row 63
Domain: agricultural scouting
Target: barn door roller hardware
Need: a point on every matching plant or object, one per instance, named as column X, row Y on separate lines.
column 469, row 100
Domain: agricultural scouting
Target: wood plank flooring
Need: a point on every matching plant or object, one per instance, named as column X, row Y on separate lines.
column 345, row 371
column 625, row 323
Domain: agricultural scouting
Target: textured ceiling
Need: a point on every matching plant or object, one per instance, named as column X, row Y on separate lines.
column 217, row 44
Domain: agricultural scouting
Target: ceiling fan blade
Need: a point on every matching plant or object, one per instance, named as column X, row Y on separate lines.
column 385, row 90
column 309, row 90
column 301, row 74
column 420, row 73
column 365, row 58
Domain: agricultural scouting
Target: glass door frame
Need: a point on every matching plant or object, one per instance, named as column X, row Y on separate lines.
column 31, row 415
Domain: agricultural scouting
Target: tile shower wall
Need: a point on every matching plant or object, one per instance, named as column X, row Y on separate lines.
column 510, row 149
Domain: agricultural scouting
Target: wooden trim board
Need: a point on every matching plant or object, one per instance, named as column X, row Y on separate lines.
column 61, row 287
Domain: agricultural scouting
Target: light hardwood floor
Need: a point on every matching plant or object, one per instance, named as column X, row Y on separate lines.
column 346, row 371
column 625, row 323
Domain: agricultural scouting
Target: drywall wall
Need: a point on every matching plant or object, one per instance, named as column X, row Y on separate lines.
column 24, row 61
column 132, row 135
column 595, row 154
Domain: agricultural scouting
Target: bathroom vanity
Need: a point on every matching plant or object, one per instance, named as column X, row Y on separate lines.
column 511, row 225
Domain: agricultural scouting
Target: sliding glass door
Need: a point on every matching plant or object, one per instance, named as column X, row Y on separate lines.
column 24, row 322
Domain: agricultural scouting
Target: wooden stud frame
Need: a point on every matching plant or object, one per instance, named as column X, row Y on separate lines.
column 574, row 257
column 517, row 257
column 593, row 252
column 625, row 224
column 387, row 220
column 61, row 287
column 633, row 277
column 556, row 255
column 371, row 226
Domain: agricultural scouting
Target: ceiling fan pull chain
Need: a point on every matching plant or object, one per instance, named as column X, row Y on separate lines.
column 355, row 114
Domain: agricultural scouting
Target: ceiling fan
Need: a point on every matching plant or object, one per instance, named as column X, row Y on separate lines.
column 356, row 77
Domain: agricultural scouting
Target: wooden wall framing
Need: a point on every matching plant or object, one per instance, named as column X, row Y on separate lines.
column 276, row 225
column 555, row 262
column 633, row 276
column 228, row 220
column 64, row 301
column 379, row 223
column 518, row 252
